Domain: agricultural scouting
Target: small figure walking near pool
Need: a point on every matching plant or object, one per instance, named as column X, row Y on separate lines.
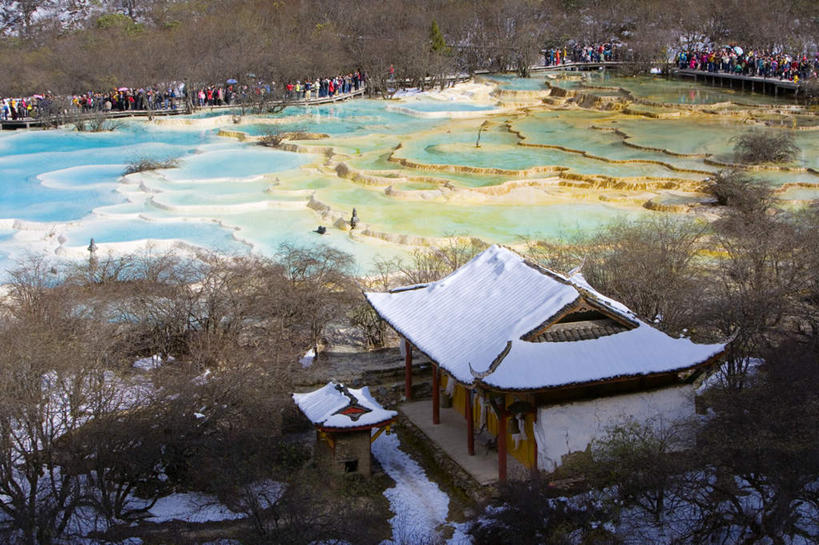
column 321, row 229
column 354, row 219
column 92, row 258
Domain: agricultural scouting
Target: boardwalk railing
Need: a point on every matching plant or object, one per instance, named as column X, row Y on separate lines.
column 570, row 66
column 751, row 83
column 770, row 86
column 63, row 119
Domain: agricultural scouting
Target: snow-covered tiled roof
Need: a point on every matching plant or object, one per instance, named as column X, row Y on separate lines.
column 335, row 406
column 466, row 321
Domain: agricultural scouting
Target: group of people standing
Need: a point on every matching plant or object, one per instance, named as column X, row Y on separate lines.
column 124, row 99
column 16, row 108
column 120, row 99
column 734, row 60
column 324, row 87
column 604, row 52
column 173, row 96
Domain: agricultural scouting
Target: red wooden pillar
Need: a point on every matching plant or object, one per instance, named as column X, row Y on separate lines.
column 436, row 396
column 502, row 418
column 407, row 370
column 470, row 419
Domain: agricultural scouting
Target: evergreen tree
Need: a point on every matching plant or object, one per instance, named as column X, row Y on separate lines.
column 437, row 40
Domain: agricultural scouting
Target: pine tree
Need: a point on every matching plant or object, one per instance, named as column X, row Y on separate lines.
column 437, row 40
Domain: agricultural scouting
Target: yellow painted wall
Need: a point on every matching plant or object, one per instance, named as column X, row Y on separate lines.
column 526, row 451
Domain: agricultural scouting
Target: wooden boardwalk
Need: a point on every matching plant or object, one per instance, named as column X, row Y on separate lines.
column 28, row 123
column 759, row 84
column 770, row 86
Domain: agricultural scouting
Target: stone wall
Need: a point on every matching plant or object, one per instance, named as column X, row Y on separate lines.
column 350, row 455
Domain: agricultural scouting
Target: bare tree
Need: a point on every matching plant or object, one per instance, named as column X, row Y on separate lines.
column 532, row 511
column 760, row 284
column 651, row 265
column 642, row 462
column 54, row 379
column 321, row 287
column 763, row 447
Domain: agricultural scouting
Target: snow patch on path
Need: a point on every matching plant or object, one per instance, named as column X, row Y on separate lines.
column 198, row 507
column 191, row 507
column 420, row 507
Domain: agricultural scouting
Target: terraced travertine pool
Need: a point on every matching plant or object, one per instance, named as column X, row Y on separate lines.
column 558, row 154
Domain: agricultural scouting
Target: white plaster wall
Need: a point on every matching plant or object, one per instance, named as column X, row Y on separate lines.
column 561, row 429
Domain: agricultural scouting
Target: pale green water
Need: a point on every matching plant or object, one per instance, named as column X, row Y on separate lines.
column 535, row 83
column 675, row 91
column 499, row 149
column 580, row 130
column 61, row 188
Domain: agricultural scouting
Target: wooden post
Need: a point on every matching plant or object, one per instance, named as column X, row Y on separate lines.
column 407, row 370
column 470, row 436
column 436, row 395
column 502, row 418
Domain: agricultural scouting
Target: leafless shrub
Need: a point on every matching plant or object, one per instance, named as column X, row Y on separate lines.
column 763, row 445
column 272, row 138
column 756, row 147
column 370, row 324
column 560, row 257
column 315, row 509
column 530, row 512
column 650, row 265
column 54, row 379
column 144, row 164
column 760, row 284
column 96, row 122
column 811, row 90
column 433, row 263
column 642, row 461
column 736, row 189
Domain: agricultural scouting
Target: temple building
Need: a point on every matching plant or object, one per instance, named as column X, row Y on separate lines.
column 344, row 419
column 540, row 361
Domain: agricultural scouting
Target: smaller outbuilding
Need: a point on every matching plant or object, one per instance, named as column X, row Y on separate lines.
column 344, row 419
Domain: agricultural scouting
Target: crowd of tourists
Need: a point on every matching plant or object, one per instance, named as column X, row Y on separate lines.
column 17, row 108
column 121, row 99
column 604, row 52
column 124, row 99
column 174, row 95
column 324, row 87
column 310, row 88
column 735, row 60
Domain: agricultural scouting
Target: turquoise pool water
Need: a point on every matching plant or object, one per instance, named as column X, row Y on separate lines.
column 409, row 177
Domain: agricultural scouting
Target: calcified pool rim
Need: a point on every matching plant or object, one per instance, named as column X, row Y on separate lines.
column 404, row 197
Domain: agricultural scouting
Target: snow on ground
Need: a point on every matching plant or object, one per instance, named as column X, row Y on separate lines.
column 153, row 362
column 718, row 377
column 191, row 507
column 198, row 507
column 308, row 358
column 266, row 492
column 420, row 507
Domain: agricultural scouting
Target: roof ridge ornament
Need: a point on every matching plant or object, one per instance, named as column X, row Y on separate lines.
column 494, row 365
column 578, row 269
column 354, row 410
